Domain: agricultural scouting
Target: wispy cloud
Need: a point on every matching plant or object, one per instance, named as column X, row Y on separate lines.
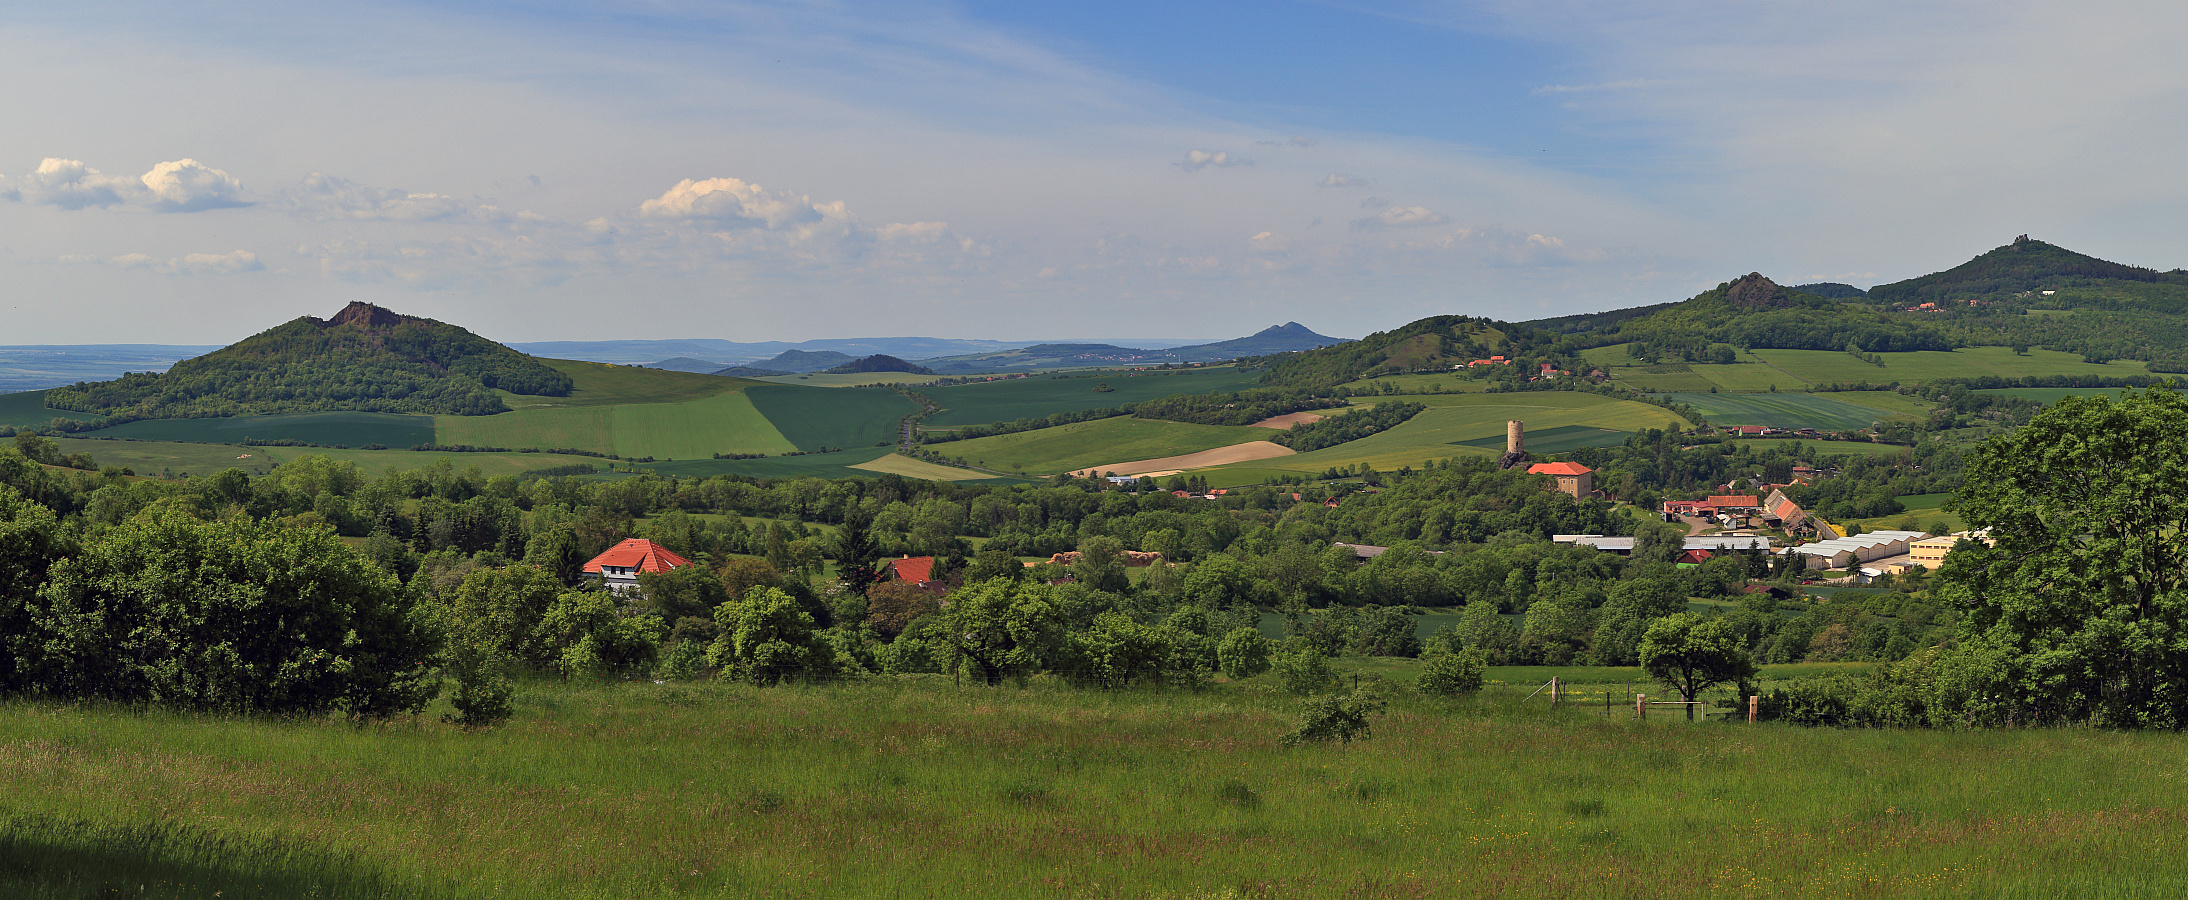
column 1195, row 160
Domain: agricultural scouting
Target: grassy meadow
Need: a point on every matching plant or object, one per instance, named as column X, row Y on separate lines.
column 841, row 418
column 1455, row 419
column 1084, row 444
column 918, row 788
column 1820, row 411
column 355, row 429
column 853, row 379
column 29, row 408
column 1822, row 366
column 151, row 458
column 1045, row 395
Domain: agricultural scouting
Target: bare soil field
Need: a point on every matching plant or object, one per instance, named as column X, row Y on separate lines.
column 1287, row 420
column 1246, row 452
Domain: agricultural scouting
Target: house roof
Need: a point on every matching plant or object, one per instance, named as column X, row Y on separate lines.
column 1558, row 468
column 637, row 553
column 1740, row 500
column 913, row 569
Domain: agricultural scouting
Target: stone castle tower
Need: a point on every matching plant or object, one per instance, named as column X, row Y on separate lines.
column 1515, row 445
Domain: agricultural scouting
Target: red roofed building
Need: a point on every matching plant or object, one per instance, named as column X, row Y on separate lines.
column 1692, row 558
column 618, row 568
column 1572, row 478
column 914, row 570
column 1736, row 502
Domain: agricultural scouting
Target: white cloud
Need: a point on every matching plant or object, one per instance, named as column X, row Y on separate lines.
column 187, row 185
column 326, row 197
column 1341, row 181
column 188, row 264
column 183, row 185
column 914, row 232
column 1401, row 217
column 1195, row 160
column 732, row 201
column 69, row 184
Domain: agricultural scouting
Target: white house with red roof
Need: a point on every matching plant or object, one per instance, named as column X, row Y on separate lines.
column 618, row 568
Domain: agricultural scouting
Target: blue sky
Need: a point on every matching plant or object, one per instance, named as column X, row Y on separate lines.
column 754, row 170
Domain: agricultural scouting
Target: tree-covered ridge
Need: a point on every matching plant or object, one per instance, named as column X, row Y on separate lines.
column 1754, row 311
column 1437, row 343
column 366, row 358
column 2024, row 265
column 1233, row 408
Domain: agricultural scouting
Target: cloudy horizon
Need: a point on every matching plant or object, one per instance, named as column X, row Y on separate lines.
column 546, row 171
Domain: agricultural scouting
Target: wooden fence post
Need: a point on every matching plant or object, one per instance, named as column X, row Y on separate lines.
column 1553, row 690
column 1640, row 706
column 1753, row 701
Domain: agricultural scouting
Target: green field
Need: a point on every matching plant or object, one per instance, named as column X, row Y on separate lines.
column 173, row 458
column 1746, row 376
column 1781, row 410
column 2054, row 395
column 1042, row 395
column 604, row 384
column 842, row 418
column 810, row 465
column 1441, row 432
column 1811, row 448
column 29, row 408
column 850, row 380
column 354, row 429
column 726, row 422
column 1823, row 366
column 1893, row 404
column 1556, row 440
column 898, row 464
column 1455, row 383
column 1103, row 441
column 914, row 788
column 1664, row 378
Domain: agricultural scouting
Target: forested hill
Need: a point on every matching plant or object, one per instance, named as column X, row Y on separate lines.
column 2025, row 266
column 1437, row 343
column 365, row 358
column 1753, row 311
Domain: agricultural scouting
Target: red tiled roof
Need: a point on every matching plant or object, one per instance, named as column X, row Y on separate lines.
column 637, row 553
column 1734, row 500
column 1561, row 468
column 1694, row 556
column 916, row 570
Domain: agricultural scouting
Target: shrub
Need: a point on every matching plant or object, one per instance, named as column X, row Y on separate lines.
column 1445, row 673
column 1304, row 671
column 1244, row 653
column 1334, row 716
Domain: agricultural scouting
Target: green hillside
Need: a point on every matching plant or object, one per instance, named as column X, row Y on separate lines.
column 1032, row 398
column 2031, row 266
column 365, row 359
column 354, row 429
column 810, row 418
column 1103, row 441
column 29, row 408
column 628, row 411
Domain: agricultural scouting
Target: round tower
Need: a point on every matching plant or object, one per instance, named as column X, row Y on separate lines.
column 1515, row 437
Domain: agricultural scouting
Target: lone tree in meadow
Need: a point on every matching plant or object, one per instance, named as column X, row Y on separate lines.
column 1691, row 654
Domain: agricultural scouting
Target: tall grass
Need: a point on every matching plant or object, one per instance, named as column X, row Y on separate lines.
column 920, row 788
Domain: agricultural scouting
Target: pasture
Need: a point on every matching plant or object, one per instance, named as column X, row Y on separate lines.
column 899, row 464
column 155, row 458
column 489, row 464
column 869, row 462
column 1556, row 440
column 1455, row 383
column 1810, row 448
column 29, row 408
column 1081, row 444
column 1826, row 366
column 817, row 379
column 840, row 418
column 603, row 384
column 917, row 788
column 724, row 422
column 353, row 429
column 1444, row 430
column 1818, row 411
column 2053, row 395
column 1047, row 395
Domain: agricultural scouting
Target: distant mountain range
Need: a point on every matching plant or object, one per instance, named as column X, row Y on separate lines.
column 1290, row 336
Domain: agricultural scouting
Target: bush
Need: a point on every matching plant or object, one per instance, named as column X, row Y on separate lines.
column 1445, row 673
column 1244, row 653
column 1339, row 717
column 1304, row 671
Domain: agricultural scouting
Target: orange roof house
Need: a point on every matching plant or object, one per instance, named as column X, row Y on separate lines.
column 1573, row 478
column 618, row 568
column 917, row 570
column 1735, row 501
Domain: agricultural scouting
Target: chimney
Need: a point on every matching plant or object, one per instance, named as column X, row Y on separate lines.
column 1514, row 437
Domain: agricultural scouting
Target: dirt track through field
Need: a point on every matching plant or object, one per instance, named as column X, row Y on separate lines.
column 1245, row 452
column 1287, row 420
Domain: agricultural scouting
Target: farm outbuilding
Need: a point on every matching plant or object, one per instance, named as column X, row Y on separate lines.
column 1840, row 553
